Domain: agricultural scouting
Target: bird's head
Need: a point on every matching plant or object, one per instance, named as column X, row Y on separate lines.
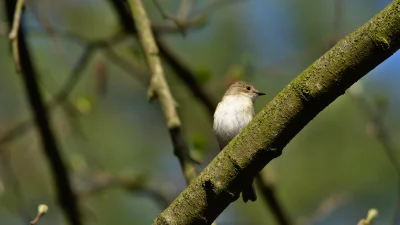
column 241, row 88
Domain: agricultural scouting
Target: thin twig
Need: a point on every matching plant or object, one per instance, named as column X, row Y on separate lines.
column 159, row 89
column 178, row 22
column 135, row 71
column 103, row 181
column 372, row 214
column 42, row 209
column 13, row 36
column 196, row 21
column 267, row 192
column 182, row 24
column 60, row 97
column 186, row 75
column 65, row 194
column 185, row 9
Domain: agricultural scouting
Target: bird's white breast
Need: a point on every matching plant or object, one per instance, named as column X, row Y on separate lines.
column 233, row 113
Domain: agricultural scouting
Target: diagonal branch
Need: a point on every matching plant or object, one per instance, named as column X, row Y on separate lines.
column 284, row 117
column 268, row 193
column 102, row 181
column 186, row 8
column 66, row 196
column 159, row 89
column 60, row 97
column 13, row 36
column 186, row 75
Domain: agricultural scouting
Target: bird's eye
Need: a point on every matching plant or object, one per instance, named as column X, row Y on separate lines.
column 248, row 88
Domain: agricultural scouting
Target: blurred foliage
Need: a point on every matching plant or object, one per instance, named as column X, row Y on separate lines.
column 264, row 42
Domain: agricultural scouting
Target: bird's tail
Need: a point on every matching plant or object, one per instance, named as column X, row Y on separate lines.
column 249, row 193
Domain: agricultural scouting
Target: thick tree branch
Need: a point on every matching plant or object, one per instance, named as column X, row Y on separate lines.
column 159, row 89
column 271, row 130
column 66, row 197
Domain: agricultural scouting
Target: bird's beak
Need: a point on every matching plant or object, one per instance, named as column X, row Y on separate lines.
column 260, row 93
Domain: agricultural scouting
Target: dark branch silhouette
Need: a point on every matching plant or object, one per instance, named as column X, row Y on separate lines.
column 65, row 194
column 267, row 192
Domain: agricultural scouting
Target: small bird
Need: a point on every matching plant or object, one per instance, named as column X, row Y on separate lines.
column 233, row 113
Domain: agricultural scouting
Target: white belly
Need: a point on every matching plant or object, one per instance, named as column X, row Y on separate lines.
column 231, row 116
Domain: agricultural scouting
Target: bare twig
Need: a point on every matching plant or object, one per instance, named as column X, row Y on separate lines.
column 372, row 214
column 13, row 36
column 104, row 181
column 267, row 192
column 186, row 75
column 59, row 98
column 42, row 209
column 178, row 22
column 182, row 24
column 186, row 8
column 381, row 134
column 159, row 88
column 135, row 71
column 191, row 22
column 66, row 196
column 65, row 193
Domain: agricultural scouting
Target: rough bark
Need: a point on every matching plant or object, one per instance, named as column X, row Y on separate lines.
column 271, row 130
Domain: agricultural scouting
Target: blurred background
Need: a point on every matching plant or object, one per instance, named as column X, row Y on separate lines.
column 117, row 146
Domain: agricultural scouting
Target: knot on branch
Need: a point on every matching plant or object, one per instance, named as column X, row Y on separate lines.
column 208, row 187
column 381, row 42
column 302, row 90
column 235, row 164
